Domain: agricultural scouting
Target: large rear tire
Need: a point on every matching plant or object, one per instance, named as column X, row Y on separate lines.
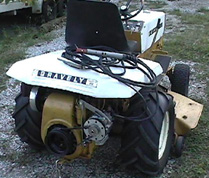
column 146, row 145
column 27, row 123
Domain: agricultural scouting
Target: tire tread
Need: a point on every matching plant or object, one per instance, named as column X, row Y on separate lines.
column 27, row 123
column 140, row 140
column 180, row 79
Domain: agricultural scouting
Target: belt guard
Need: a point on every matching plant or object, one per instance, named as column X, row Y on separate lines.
column 59, row 109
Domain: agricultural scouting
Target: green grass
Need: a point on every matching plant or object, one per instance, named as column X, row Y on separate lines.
column 195, row 159
column 14, row 44
column 200, row 18
column 193, row 45
column 155, row 4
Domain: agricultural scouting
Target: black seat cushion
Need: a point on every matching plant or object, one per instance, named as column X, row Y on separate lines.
column 92, row 23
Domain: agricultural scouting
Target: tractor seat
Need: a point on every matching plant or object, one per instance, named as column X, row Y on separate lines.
column 92, row 24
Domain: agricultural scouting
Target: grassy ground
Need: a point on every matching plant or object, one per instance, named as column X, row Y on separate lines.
column 13, row 45
column 155, row 4
column 192, row 44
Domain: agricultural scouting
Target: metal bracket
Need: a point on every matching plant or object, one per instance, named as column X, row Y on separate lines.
column 100, row 125
column 95, row 110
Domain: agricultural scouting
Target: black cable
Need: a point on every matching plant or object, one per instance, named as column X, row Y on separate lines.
column 138, row 117
column 103, row 65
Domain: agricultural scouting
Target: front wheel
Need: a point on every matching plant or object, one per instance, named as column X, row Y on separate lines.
column 146, row 145
column 180, row 79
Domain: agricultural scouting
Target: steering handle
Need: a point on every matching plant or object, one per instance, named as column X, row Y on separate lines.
column 127, row 15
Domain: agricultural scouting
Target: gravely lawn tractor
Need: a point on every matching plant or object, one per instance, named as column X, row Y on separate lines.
column 106, row 80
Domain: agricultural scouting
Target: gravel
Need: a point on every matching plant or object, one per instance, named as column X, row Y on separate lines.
column 57, row 44
column 17, row 160
column 187, row 6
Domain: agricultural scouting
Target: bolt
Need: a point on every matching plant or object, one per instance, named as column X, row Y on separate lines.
column 184, row 117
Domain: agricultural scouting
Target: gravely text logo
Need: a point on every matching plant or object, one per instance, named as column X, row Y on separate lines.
column 65, row 77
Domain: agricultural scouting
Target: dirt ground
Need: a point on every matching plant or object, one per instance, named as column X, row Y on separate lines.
column 17, row 160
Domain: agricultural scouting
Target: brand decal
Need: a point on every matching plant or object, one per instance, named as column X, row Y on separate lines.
column 151, row 32
column 65, row 77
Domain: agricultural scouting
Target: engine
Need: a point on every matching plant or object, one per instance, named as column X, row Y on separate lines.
column 72, row 126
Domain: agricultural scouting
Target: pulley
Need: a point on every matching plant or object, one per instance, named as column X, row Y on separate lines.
column 60, row 140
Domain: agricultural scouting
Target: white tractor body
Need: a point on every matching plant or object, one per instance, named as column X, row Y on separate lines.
column 47, row 71
column 150, row 26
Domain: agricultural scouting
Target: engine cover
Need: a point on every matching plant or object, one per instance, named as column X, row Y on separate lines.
column 47, row 71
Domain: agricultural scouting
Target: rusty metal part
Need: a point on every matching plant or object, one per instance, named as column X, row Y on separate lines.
column 154, row 50
column 134, row 36
column 150, row 53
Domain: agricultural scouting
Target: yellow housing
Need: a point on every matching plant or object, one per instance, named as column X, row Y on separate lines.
column 60, row 109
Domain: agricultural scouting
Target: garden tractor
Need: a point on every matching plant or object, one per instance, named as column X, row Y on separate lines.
column 107, row 80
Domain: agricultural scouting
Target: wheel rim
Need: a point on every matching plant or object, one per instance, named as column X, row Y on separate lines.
column 163, row 136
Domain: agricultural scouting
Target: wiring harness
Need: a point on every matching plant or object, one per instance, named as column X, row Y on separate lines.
column 106, row 62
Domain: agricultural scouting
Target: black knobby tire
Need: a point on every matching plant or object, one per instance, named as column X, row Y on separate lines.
column 178, row 147
column 140, row 140
column 180, row 79
column 25, row 89
column 27, row 123
column 49, row 10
